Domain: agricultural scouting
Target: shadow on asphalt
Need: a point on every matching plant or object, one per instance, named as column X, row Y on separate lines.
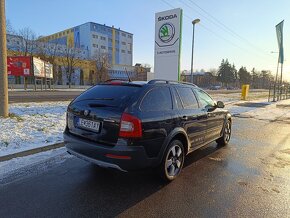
column 77, row 188
column 104, row 188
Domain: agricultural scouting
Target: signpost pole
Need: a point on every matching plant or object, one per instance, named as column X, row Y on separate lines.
column 3, row 63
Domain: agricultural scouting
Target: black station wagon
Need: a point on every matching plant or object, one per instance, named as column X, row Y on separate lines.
column 134, row 125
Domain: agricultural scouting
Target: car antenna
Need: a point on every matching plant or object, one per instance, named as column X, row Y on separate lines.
column 128, row 75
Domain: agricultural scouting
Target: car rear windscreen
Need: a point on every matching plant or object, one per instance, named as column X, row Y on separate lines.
column 109, row 95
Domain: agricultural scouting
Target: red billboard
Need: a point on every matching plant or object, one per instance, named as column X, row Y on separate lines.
column 19, row 66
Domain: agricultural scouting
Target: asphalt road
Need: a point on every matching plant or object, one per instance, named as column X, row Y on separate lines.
column 59, row 95
column 41, row 96
column 247, row 178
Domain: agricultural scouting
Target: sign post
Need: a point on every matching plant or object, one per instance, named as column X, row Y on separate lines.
column 3, row 63
column 168, row 28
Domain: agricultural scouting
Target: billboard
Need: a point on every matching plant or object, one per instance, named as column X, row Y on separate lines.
column 38, row 67
column 48, row 70
column 167, row 44
column 19, row 66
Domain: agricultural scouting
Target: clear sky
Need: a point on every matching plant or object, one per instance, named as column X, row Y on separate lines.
column 241, row 30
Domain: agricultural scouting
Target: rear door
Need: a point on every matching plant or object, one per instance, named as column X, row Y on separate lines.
column 156, row 115
column 96, row 113
column 193, row 119
column 215, row 118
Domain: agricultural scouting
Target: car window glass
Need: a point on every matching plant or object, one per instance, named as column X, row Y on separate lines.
column 187, row 97
column 177, row 100
column 205, row 99
column 158, row 99
column 109, row 95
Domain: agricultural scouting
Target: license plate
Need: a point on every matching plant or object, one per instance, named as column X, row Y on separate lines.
column 89, row 124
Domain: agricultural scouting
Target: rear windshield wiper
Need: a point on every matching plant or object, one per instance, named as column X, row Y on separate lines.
column 101, row 105
column 100, row 99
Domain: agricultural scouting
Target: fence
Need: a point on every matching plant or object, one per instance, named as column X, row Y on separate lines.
column 277, row 92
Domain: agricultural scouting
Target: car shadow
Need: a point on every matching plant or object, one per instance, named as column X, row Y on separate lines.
column 110, row 192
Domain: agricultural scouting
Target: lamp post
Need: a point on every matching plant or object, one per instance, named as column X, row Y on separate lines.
column 193, row 25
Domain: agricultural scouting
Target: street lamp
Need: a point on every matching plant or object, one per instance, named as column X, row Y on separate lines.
column 193, row 25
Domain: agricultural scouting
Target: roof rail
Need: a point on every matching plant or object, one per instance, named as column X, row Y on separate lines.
column 169, row 82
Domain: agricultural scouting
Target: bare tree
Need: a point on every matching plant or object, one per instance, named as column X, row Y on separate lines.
column 70, row 60
column 28, row 42
column 9, row 28
column 102, row 63
column 48, row 52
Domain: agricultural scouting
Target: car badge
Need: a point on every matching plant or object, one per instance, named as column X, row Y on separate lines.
column 86, row 112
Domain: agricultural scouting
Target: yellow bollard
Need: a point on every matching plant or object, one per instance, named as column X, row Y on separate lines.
column 245, row 92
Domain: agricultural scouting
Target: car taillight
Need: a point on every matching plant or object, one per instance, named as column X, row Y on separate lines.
column 130, row 126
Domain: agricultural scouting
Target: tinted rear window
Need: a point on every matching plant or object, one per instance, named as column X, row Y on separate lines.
column 109, row 95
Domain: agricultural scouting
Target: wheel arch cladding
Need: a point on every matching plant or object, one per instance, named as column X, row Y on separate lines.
column 182, row 138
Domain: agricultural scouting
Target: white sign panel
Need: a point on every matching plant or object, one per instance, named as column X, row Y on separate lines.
column 48, row 70
column 38, row 67
column 167, row 44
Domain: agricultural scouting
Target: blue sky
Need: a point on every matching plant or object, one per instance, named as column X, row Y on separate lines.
column 242, row 31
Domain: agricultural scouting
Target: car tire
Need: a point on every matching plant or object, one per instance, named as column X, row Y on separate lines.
column 224, row 140
column 172, row 161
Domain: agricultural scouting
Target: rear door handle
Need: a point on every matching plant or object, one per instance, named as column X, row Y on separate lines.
column 211, row 115
column 184, row 118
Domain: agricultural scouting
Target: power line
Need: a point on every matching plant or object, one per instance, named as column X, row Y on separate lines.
column 228, row 29
column 214, row 33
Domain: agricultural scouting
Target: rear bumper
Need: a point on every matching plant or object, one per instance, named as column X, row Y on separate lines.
column 97, row 154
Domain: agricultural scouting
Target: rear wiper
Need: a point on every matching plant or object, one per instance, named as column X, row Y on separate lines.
column 90, row 99
column 100, row 105
column 109, row 99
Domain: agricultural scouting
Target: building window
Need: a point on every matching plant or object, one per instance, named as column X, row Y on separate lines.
column 129, row 52
column 103, row 38
column 129, row 36
column 95, row 46
column 123, row 43
column 110, row 40
column 103, row 47
column 124, row 34
column 130, row 46
column 110, row 48
column 117, row 41
column 123, row 51
column 8, row 40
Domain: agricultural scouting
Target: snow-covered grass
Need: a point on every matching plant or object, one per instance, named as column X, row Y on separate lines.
column 32, row 125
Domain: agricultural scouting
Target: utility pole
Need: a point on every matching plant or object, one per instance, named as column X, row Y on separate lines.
column 3, row 63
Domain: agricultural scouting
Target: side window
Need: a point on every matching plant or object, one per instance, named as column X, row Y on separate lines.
column 187, row 97
column 177, row 99
column 205, row 99
column 158, row 99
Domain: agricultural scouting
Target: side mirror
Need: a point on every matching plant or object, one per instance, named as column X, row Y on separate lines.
column 220, row 104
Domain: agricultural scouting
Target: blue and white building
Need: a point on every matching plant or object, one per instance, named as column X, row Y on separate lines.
column 96, row 38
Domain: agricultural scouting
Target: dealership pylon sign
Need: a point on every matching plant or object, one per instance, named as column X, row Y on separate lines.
column 168, row 28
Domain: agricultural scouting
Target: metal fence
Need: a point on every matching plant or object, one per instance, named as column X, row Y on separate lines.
column 277, row 93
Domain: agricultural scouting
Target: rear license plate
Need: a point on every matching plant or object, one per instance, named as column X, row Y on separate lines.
column 89, row 124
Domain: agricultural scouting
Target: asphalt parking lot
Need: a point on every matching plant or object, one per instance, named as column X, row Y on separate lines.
column 247, row 178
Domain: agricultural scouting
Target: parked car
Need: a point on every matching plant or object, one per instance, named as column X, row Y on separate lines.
column 215, row 87
column 134, row 125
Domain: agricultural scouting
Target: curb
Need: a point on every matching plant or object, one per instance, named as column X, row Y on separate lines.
column 31, row 151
